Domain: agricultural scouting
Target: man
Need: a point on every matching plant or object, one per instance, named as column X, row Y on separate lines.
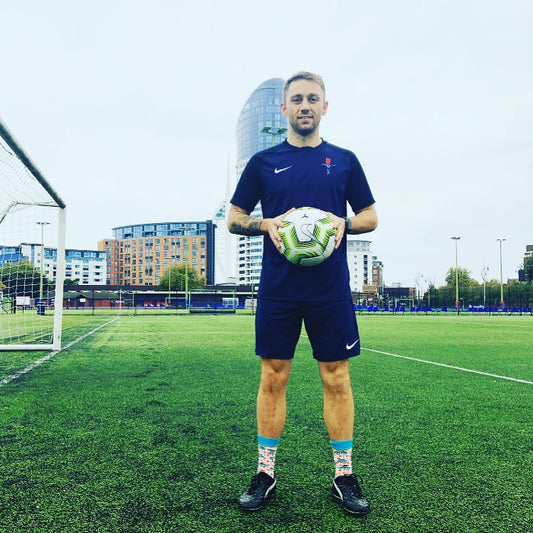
column 304, row 170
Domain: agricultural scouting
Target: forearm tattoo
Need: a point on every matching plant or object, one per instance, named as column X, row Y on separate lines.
column 246, row 225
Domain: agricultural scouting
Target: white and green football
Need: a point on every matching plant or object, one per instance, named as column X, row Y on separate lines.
column 307, row 236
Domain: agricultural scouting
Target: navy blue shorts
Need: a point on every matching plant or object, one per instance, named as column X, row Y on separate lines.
column 330, row 326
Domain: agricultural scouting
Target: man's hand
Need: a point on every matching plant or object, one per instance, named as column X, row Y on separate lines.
column 273, row 225
column 340, row 225
column 241, row 223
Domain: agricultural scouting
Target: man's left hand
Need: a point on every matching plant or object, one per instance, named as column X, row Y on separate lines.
column 340, row 226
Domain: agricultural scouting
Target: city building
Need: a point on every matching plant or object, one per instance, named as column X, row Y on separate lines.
column 84, row 267
column 260, row 125
column 10, row 254
column 526, row 273
column 140, row 254
column 365, row 269
column 377, row 273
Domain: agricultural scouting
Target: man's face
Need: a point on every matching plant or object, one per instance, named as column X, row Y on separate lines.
column 304, row 106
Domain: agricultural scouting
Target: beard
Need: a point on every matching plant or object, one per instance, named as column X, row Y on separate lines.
column 304, row 130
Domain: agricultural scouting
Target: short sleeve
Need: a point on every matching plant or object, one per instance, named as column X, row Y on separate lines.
column 249, row 188
column 358, row 193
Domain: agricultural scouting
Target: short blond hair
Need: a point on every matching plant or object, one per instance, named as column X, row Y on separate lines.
column 303, row 75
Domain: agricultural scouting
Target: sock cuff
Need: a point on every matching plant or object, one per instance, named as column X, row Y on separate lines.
column 267, row 441
column 341, row 444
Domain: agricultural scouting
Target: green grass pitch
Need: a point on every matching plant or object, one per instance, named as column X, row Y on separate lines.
column 148, row 425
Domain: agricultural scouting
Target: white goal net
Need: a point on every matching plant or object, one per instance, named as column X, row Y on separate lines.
column 32, row 253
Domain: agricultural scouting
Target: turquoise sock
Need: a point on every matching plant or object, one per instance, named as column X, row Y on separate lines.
column 342, row 455
column 267, row 449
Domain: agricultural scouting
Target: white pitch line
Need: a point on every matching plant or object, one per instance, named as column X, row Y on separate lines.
column 48, row 356
column 450, row 366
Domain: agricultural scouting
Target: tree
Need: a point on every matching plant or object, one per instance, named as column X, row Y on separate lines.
column 22, row 279
column 465, row 279
column 176, row 274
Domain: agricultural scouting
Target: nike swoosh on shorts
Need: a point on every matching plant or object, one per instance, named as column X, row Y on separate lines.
column 350, row 346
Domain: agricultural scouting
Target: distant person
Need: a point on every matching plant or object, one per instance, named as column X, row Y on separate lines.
column 304, row 170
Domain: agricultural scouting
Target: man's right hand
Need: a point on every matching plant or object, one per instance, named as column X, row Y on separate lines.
column 272, row 227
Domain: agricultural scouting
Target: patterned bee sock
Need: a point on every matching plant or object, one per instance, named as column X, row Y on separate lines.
column 342, row 455
column 267, row 449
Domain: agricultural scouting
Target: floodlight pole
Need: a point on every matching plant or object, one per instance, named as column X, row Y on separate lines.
column 187, row 303
column 169, row 274
column 253, row 304
column 42, row 224
column 268, row 130
column 502, row 304
column 168, row 271
column 484, row 276
column 457, row 303
column 418, row 282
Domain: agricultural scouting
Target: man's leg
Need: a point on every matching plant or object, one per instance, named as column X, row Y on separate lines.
column 339, row 410
column 271, row 411
column 271, row 398
column 271, row 415
column 339, row 413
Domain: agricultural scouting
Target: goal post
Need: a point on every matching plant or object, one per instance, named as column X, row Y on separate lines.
column 32, row 252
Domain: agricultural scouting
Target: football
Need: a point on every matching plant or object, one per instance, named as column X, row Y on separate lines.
column 307, row 236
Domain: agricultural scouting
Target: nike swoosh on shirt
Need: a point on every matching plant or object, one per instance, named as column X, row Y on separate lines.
column 278, row 170
column 350, row 346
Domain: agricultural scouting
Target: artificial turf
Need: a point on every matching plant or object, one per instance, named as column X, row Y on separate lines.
column 149, row 425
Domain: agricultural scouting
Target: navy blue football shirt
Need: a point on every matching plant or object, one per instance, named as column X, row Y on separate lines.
column 287, row 176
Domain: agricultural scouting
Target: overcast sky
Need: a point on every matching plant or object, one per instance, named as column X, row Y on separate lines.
column 129, row 108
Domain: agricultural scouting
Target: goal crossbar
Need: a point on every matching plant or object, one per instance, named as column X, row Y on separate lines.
column 14, row 203
column 10, row 140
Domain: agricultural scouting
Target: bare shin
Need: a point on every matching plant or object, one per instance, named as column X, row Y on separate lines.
column 339, row 410
column 271, row 398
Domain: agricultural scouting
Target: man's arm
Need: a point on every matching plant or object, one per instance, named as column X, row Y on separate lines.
column 241, row 223
column 362, row 222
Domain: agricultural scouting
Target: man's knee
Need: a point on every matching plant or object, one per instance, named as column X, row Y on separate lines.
column 336, row 376
column 275, row 374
